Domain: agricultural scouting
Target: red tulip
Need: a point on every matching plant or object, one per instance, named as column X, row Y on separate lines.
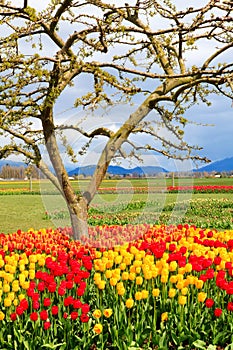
column 34, row 316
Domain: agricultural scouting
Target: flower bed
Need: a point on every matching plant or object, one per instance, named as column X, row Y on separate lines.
column 169, row 189
column 131, row 189
column 201, row 189
column 125, row 287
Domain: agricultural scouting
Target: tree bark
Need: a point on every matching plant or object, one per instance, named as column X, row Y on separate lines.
column 78, row 216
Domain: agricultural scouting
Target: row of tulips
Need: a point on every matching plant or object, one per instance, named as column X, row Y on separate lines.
column 133, row 189
column 169, row 189
column 123, row 287
column 201, row 189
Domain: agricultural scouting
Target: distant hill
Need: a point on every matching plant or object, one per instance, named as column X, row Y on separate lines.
column 118, row 170
column 223, row 165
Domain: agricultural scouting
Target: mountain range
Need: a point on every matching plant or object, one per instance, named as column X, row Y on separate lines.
column 118, row 170
column 223, row 165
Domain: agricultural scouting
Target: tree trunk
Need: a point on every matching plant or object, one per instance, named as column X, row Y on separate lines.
column 78, row 216
column 77, row 205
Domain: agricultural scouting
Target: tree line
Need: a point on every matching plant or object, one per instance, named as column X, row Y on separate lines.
column 19, row 172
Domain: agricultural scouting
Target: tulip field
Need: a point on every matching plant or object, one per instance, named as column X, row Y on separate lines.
column 155, row 287
column 136, row 282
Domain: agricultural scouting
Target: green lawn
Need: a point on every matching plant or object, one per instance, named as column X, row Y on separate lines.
column 23, row 211
column 26, row 211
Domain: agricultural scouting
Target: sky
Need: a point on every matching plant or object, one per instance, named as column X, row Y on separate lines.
column 216, row 139
column 213, row 132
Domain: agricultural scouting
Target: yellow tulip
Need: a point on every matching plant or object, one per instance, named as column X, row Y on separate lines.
column 41, row 261
column 180, row 285
column 173, row 266
column 25, row 273
column 108, row 273
column 164, row 278
column 139, row 280
column 134, row 250
column 182, row 300
column 138, row 295
column 116, row 274
column 32, row 274
column 32, row 258
column 127, row 260
column 113, row 281
column 98, row 254
column 98, row 328
column 11, row 295
column 184, row 291
column 118, row 259
column 123, row 266
column 180, row 277
column 121, row 291
column 145, row 294
column 182, row 270
column 102, row 267
column 129, row 303
column 125, row 276
column 201, row 297
column 173, row 279
column 107, row 313
column 32, row 266
column 7, row 266
column 97, row 313
column 16, row 302
column 2, row 316
column 190, row 279
column 8, row 277
column 132, row 269
column 155, row 271
column 155, row 292
column 164, row 316
column 138, row 257
column 123, row 251
column 109, row 264
column 15, row 286
column 188, row 267
column 101, row 284
column 25, row 285
column 6, row 288
column 199, row 284
column 137, row 263
column 172, row 292
column 7, row 302
column 148, row 275
column 21, row 296
column 132, row 276
column 21, row 267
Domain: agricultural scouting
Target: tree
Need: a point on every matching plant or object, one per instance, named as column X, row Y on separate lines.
column 125, row 51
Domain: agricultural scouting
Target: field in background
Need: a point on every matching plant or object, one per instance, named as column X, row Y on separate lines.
column 141, row 182
column 23, row 211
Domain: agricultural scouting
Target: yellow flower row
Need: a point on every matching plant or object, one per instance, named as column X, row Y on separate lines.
column 128, row 263
column 16, row 271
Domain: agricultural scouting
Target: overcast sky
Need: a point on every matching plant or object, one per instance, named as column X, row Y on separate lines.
column 216, row 140
column 213, row 132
